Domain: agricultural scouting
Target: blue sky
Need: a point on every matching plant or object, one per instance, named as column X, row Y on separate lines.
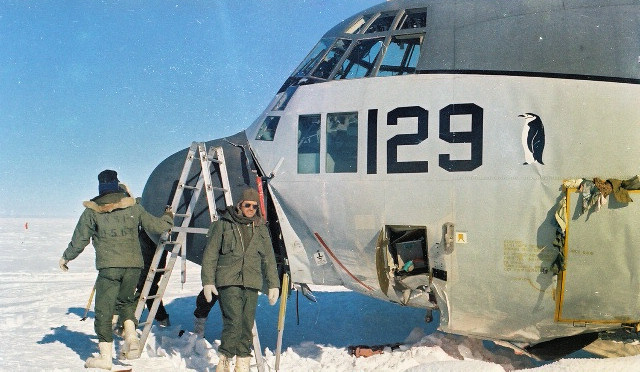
column 93, row 85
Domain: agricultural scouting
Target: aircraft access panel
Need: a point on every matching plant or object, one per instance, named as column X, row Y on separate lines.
column 600, row 283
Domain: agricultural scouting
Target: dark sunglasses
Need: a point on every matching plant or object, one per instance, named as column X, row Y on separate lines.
column 249, row 205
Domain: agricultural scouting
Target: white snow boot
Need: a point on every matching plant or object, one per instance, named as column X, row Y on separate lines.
column 198, row 326
column 224, row 364
column 104, row 360
column 131, row 349
column 242, row 364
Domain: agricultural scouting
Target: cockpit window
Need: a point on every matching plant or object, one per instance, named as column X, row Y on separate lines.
column 416, row 18
column 285, row 96
column 318, row 51
column 376, row 44
column 342, row 142
column 358, row 25
column 361, row 60
column 382, row 23
column 402, row 56
column 309, row 144
column 331, row 59
column 268, row 128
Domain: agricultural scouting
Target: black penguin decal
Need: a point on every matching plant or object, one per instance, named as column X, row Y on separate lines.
column 532, row 138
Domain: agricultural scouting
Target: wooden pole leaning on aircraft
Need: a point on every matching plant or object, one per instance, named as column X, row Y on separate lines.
column 281, row 314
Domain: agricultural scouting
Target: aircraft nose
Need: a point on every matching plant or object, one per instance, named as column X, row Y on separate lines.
column 163, row 183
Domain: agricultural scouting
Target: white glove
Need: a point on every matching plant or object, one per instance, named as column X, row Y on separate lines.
column 63, row 264
column 273, row 295
column 210, row 290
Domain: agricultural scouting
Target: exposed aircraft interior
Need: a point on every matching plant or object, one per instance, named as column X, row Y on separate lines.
column 403, row 265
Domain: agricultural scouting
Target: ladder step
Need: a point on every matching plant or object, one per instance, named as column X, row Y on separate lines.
column 153, row 297
column 170, row 242
column 191, row 230
column 181, row 215
column 159, row 270
column 219, row 188
column 189, row 187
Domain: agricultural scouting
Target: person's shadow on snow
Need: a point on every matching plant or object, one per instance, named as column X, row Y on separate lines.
column 82, row 343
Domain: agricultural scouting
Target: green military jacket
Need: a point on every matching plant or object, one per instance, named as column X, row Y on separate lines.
column 229, row 259
column 111, row 222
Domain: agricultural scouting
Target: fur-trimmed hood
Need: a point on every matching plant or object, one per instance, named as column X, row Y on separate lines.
column 106, row 203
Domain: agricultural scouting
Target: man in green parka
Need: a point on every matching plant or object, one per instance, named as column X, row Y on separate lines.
column 237, row 257
column 111, row 222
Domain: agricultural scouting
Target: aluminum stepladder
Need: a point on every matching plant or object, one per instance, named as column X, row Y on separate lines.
column 175, row 241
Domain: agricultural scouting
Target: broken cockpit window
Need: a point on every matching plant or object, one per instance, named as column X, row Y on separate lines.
column 312, row 58
column 364, row 53
column 382, row 23
column 414, row 18
column 331, row 59
column 268, row 128
column 361, row 60
column 359, row 24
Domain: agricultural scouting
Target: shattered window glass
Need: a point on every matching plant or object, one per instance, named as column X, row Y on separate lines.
column 361, row 60
column 309, row 144
column 268, row 128
column 382, row 23
column 331, row 59
column 358, row 25
column 402, row 56
column 342, row 142
column 415, row 18
column 316, row 53
column 374, row 44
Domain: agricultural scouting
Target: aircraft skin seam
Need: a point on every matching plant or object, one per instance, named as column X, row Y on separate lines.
column 552, row 75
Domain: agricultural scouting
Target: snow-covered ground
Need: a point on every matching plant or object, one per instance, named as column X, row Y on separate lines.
column 41, row 329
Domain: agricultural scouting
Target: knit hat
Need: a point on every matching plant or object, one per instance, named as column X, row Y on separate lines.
column 108, row 182
column 250, row 195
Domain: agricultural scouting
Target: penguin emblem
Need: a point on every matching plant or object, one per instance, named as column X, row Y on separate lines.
column 532, row 138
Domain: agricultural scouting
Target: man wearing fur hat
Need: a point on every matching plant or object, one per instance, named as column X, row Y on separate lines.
column 237, row 258
column 110, row 222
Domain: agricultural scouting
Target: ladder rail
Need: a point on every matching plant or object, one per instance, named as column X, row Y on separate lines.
column 162, row 286
column 155, row 262
column 224, row 176
column 205, row 165
column 186, row 168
